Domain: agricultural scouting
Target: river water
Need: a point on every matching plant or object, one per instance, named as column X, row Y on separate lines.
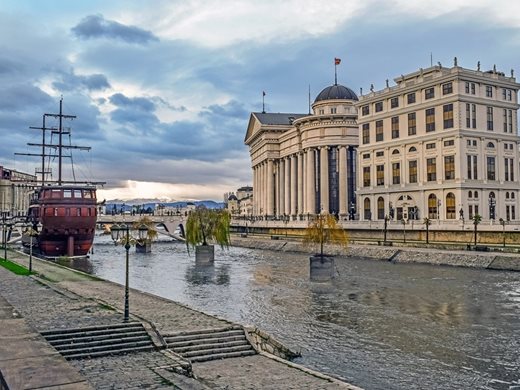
column 377, row 325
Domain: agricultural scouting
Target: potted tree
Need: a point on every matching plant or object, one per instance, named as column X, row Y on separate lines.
column 204, row 227
column 322, row 230
column 144, row 245
column 477, row 218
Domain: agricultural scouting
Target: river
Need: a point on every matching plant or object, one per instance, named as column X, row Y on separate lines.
column 377, row 325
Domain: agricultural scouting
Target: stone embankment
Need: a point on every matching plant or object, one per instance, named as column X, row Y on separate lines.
column 427, row 255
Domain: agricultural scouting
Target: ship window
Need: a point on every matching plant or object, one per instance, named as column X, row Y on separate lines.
column 55, row 212
column 46, row 194
column 78, row 212
column 77, row 193
column 67, row 193
column 87, row 194
column 56, row 194
column 49, row 211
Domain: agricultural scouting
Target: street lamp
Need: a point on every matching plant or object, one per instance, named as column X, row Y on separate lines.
column 121, row 234
column 31, row 233
column 403, row 221
column 503, row 223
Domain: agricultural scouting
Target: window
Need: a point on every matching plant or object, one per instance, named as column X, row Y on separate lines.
column 491, row 145
column 396, row 173
column 333, row 110
column 410, row 98
column 449, row 142
column 447, row 88
column 507, row 94
column 489, row 91
column 395, row 127
column 430, row 145
column 394, row 102
column 380, row 208
column 489, row 113
column 395, row 151
column 380, row 153
column 432, row 206
column 472, row 167
column 508, row 121
column 470, row 194
column 449, row 167
column 380, row 175
column 412, row 171
column 379, row 131
column 447, row 116
column 475, row 194
column 450, row 206
column 413, row 149
column 470, row 88
column 379, row 107
column 412, row 124
column 429, row 93
column 365, row 110
column 366, row 156
column 430, row 119
column 367, row 214
column 366, row 176
column 431, row 169
column 366, row 133
column 471, row 116
column 508, row 169
column 491, row 169
column 321, row 111
column 67, row 193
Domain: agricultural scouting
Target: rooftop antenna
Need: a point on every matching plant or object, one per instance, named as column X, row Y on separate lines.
column 263, row 102
column 431, row 59
column 337, row 61
column 309, row 99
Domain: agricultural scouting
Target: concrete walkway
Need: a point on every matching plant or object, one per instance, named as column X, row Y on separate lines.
column 60, row 298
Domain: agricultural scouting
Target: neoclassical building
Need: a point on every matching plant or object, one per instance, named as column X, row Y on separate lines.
column 15, row 190
column 442, row 143
column 305, row 163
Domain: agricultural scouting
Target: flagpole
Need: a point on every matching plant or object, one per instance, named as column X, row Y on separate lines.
column 335, row 72
column 263, row 102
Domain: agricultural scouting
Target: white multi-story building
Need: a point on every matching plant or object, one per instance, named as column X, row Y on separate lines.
column 442, row 143
column 15, row 190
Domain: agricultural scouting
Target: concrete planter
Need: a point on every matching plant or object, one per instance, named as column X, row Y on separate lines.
column 143, row 248
column 205, row 254
column 321, row 268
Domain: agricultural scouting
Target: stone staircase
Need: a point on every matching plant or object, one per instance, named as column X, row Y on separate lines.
column 96, row 341
column 210, row 344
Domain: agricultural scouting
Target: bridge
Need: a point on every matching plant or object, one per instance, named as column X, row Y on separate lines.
column 169, row 222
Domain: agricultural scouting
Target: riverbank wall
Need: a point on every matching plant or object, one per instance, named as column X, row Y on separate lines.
column 434, row 255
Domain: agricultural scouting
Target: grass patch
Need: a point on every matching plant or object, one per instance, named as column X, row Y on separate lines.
column 13, row 267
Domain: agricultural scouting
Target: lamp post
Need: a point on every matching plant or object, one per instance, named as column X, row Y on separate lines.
column 403, row 221
column 503, row 223
column 121, row 234
column 31, row 232
column 384, row 230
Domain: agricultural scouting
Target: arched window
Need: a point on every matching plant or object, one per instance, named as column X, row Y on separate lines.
column 432, row 207
column 512, row 195
column 470, row 194
column 367, row 214
column 491, row 145
column 395, row 151
column 380, row 208
column 475, row 194
column 450, row 206
column 412, row 149
column 507, row 195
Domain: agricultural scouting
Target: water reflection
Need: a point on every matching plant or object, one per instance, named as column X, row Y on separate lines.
column 377, row 324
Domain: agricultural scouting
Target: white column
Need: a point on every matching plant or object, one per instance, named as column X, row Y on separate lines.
column 287, row 186
column 343, row 180
column 300, row 184
column 294, row 187
column 262, row 190
column 304, row 182
column 281, row 194
column 311, row 180
column 255, row 191
column 270, row 188
column 324, row 179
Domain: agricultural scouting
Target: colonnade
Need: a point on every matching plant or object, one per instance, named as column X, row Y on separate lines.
column 299, row 183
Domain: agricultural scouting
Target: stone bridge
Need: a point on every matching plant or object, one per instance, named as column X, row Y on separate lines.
column 169, row 222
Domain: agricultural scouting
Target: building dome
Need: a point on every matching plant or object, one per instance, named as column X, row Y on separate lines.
column 336, row 91
column 232, row 197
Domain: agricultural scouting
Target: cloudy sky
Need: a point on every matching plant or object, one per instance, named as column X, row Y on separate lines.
column 163, row 90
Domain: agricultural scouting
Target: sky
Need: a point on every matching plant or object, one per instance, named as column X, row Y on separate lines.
column 163, row 90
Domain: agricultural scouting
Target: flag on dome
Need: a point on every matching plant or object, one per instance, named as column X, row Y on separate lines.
column 337, row 61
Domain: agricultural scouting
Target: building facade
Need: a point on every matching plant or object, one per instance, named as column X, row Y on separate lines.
column 15, row 190
column 305, row 164
column 443, row 144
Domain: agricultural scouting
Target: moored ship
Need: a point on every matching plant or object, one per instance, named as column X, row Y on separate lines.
column 63, row 213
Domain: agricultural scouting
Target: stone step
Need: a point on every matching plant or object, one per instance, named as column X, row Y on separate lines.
column 197, row 336
column 179, row 344
column 205, row 331
column 205, row 358
column 200, row 347
column 107, row 353
column 58, row 341
column 83, row 333
column 215, row 351
column 74, row 344
column 92, row 328
column 113, row 347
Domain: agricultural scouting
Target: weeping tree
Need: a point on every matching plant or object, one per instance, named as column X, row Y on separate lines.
column 323, row 230
column 205, row 226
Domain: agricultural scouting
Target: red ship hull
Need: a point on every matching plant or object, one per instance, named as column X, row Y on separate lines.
column 67, row 215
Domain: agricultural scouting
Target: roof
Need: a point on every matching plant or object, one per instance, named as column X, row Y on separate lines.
column 336, row 91
column 266, row 118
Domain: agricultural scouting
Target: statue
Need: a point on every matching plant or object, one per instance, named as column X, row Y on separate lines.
column 387, row 83
column 439, row 63
column 512, row 73
column 455, row 61
column 494, row 68
column 371, row 87
column 478, row 66
column 360, row 91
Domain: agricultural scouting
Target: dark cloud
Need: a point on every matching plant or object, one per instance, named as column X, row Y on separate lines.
column 140, row 103
column 96, row 26
column 70, row 81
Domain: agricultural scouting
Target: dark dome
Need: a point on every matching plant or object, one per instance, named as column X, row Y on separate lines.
column 336, row 91
column 232, row 197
